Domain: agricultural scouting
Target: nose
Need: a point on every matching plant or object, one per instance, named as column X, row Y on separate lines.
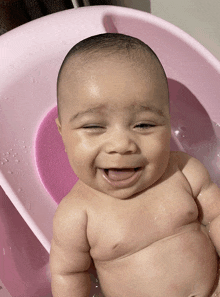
column 120, row 142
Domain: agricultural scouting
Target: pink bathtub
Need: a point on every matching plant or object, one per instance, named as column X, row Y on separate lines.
column 34, row 171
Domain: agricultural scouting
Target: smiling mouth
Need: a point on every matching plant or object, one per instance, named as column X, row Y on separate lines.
column 120, row 174
column 122, row 177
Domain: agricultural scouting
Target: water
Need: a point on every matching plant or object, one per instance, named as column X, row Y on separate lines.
column 202, row 142
column 8, row 158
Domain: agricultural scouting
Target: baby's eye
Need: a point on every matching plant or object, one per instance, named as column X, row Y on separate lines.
column 93, row 127
column 143, row 126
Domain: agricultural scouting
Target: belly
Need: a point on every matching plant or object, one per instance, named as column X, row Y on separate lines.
column 182, row 265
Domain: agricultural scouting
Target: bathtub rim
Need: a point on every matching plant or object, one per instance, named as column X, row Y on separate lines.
column 28, row 28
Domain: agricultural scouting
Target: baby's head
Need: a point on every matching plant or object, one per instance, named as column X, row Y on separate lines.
column 113, row 107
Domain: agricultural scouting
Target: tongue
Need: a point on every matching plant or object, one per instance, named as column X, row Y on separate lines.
column 120, row 174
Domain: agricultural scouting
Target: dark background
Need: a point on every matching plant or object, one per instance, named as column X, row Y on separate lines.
column 14, row 13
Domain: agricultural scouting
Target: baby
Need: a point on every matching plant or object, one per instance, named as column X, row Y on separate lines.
column 148, row 218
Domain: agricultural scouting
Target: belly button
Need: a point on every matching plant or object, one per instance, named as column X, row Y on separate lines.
column 115, row 246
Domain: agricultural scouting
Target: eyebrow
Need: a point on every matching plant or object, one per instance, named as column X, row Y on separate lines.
column 152, row 109
column 87, row 111
column 132, row 107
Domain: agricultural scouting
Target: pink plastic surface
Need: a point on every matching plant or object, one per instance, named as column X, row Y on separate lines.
column 30, row 57
column 24, row 262
column 52, row 162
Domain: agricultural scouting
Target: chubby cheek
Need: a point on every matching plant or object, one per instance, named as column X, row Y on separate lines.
column 81, row 154
column 159, row 150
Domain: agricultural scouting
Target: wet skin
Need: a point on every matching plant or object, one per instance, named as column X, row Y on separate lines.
column 136, row 209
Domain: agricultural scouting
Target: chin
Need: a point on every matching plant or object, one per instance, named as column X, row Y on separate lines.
column 126, row 193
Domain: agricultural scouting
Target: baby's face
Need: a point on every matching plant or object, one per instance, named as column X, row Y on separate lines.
column 115, row 126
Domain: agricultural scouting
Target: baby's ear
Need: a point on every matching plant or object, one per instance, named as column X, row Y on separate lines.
column 58, row 125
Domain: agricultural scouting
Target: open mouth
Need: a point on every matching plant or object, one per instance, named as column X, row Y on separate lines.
column 120, row 174
column 121, row 177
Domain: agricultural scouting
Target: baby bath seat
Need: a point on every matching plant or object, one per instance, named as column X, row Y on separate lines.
column 35, row 173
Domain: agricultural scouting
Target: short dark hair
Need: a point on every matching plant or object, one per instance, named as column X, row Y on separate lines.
column 109, row 44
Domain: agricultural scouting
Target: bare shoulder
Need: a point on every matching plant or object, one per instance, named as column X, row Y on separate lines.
column 71, row 210
column 69, row 246
column 194, row 171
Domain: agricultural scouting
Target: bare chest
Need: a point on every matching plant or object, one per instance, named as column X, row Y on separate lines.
column 124, row 227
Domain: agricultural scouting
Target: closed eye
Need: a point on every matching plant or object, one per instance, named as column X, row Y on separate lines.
column 93, row 127
column 144, row 126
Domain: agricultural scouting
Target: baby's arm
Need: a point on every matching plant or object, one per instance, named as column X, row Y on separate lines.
column 69, row 256
column 207, row 195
